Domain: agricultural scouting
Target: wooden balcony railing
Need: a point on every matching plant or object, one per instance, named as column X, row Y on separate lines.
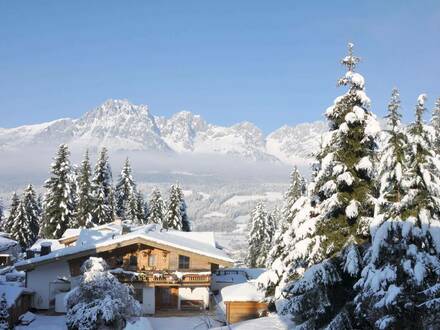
column 163, row 277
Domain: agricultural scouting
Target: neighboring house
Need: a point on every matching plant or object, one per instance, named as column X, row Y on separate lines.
column 169, row 270
column 243, row 302
column 9, row 249
column 18, row 301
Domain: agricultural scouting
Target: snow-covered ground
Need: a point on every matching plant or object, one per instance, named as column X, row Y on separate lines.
column 264, row 323
column 270, row 196
column 44, row 322
column 214, row 214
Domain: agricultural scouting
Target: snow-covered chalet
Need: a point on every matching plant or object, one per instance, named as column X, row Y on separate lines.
column 169, row 270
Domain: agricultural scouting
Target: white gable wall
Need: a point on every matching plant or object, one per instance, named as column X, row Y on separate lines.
column 44, row 281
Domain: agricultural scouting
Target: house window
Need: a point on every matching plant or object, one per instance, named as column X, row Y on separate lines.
column 183, row 262
column 151, row 260
column 133, row 260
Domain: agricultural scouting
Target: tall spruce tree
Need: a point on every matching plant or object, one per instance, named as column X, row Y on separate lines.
column 436, row 125
column 103, row 193
column 399, row 286
column 2, row 219
column 126, row 195
column 422, row 177
column 13, row 208
column 344, row 193
column 261, row 230
column 392, row 161
column 86, row 201
column 176, row 216
column 26, row 225
column 141, row 209
column 297, row 188
column 59, row 199
column 156, row 208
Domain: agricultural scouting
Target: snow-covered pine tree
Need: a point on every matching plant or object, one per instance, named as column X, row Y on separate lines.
column 399, row 286
column 176, row 216
column 297, row 188
column 156, row 207
column 86, row 204
column 126, row 195
column 141, row 208
column 392, row 161
column 422, row 177
column 344, row 191
column 1, row 213
column 26, row 225
column 344, row 185
column 59, row 199
column 260, row 236
column 436, row 125
column 9, row 221
column 4, row 313
column 186, row 225
column 103, row 193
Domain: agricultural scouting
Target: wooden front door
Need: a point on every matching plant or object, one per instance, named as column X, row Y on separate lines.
column 166, row 297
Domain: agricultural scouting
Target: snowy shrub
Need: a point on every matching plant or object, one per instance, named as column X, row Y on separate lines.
column 99, row 300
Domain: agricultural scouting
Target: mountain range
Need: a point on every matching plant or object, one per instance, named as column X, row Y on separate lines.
column 122, row 126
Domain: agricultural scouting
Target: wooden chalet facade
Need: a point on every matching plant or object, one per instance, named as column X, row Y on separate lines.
column 168, row 270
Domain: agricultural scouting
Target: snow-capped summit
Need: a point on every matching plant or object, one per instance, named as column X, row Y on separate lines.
column 180, row 130
column 121, row 125
column 296, row 144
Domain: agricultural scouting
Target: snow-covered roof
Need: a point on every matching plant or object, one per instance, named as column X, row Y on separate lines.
column 6, row 243
column 93, row 241
column 54, row 244
column 247, row 291
column 12, row 293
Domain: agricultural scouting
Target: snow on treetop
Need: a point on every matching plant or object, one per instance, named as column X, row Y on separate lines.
column 422, row 99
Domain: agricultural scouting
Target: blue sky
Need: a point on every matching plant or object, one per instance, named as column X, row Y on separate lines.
column 269, row 62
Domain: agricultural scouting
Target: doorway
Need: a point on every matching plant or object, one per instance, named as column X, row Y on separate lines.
column 166, row 298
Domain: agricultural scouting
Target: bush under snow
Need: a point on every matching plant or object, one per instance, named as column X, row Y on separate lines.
column 99, row 300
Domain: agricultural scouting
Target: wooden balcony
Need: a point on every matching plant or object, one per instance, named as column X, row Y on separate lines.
column 164, row 278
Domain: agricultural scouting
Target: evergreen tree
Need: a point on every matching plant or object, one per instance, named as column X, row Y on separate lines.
column 156, row 208
column 13, row 209
column 392, row 161
column 4, row 313
column 343, row 199
column 399, row 287
column 126, row 195
column 176, row 216
column 421, row 179
column 104, row 210
column 186, row 225
column 436, row 125
column 344, row 185
column 86, row 203
column 59, row 200
column 2, row 220
column 26, row 225
column 297, row 188
column 141, row 208
column 260, row 236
